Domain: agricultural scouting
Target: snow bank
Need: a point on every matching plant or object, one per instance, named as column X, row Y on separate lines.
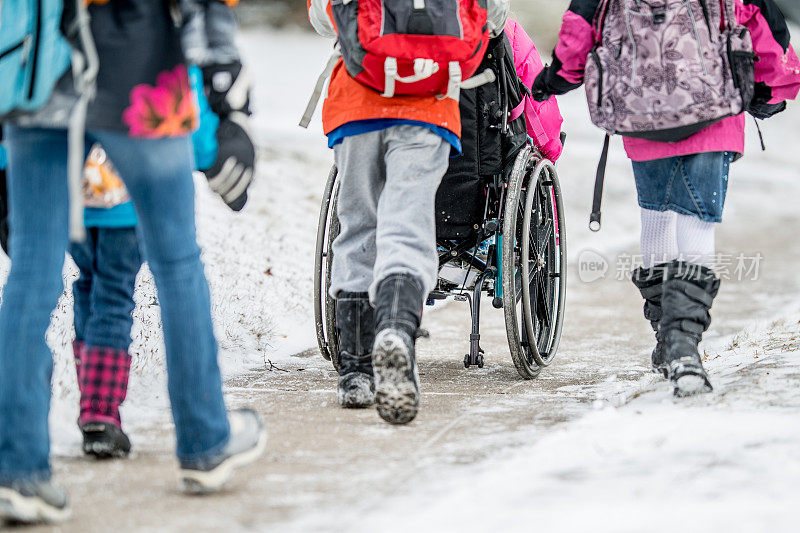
column 724, row 463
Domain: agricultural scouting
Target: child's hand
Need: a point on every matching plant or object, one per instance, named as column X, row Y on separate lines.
column 540, row 90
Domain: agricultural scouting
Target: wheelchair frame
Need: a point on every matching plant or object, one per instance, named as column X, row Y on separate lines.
column 525, row 202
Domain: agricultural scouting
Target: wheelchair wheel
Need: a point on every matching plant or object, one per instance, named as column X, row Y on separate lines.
column 324, row 305
column 533, row 263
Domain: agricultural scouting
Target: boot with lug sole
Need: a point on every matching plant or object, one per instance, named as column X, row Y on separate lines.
column 105, row 441
column 398, row 312
column 689, row 291
column 355, row 321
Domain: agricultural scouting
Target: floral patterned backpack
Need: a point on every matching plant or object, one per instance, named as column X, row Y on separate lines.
column 665, row 69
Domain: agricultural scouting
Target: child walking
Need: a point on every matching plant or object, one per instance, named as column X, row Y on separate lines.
column 681, row 185
column 391, row 152
column 142, row 118
column 108, row 260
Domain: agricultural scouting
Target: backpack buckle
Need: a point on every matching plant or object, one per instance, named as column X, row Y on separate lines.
column 659, row 15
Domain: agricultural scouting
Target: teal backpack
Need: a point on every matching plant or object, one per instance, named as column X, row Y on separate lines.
column 33, row 54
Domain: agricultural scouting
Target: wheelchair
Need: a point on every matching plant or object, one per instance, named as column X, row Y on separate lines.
column 500, row 234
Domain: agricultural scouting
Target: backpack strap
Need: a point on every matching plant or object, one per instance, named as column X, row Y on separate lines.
column 313, row 102
column 594, row 219
column 729, row 13
column 517, row 112
column 85, row 66
column 600, row 19
column 455, row 85
column 487, row 76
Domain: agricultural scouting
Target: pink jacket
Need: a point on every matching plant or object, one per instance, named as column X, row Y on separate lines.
column 543, row 118
column 778, row 68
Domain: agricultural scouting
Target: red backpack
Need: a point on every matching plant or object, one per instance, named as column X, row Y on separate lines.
column 412, row 47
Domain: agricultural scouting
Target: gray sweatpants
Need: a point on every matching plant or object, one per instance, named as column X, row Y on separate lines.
column 387, row 192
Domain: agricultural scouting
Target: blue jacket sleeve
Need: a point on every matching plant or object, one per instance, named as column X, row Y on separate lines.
column 204, row 139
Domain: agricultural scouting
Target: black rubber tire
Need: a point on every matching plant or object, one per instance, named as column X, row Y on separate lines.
column 324, row 305
column 515, row 320
column 544, row 207
column 545, row 210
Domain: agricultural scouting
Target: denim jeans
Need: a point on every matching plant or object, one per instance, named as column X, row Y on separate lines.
column 693, row 185
column 109, row 261
column 158, row 175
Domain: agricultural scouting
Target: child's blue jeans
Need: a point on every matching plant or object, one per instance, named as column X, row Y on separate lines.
column 109, row 261
column 158, row 175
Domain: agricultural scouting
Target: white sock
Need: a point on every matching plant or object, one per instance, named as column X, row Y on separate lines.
column 659, row 242
column 696, row 242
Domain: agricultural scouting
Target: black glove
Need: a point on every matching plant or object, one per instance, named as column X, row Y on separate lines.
column 540, row 90
column 3, row 212
column 227, row 88
column 232, row 172
column 760, row 107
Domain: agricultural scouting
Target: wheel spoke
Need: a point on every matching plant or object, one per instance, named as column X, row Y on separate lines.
column 544, row 233
column 543, row 307
column 518, row 286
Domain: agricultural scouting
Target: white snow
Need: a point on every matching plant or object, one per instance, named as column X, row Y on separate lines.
column 730, row 463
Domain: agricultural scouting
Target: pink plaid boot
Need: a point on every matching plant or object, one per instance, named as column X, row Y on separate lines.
column 103, row 382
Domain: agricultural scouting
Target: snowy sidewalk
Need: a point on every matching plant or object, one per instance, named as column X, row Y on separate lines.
column 595, row 444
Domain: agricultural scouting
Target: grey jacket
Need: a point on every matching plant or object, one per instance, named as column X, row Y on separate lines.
column 208, row 32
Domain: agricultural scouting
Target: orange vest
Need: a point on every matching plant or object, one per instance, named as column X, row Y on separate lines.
column 349, row 100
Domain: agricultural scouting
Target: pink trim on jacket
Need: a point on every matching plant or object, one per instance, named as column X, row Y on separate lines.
column 576, row 39
column 778, row 69
column 543, row 118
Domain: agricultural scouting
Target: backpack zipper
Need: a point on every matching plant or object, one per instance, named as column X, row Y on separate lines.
column 633, row 44
column 688, row 5
column 596, row 58
column 36, row 40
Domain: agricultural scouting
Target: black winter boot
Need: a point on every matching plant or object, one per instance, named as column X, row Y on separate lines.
column 689, row 291
column 650, row 282
column 398, row 311
column 105, row 441
column 355, row 320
